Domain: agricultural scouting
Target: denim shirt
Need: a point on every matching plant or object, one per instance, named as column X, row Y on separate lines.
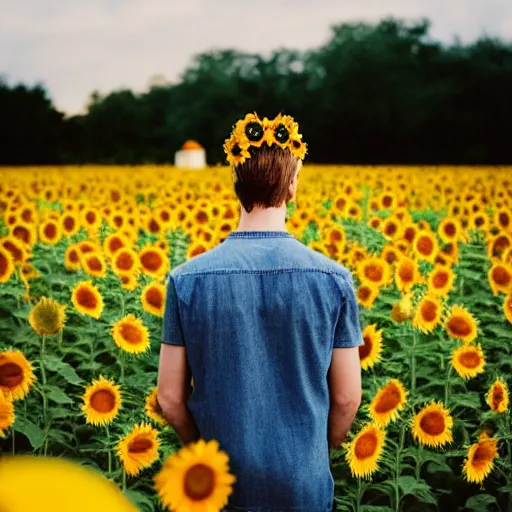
column 259, row 316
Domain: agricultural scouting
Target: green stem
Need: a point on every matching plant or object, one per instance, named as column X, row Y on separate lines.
column 397, row 466
column 122, row 305
column 43, row 393
column 41, row 361
column 447, row 385
column 413, row 362
column 359, row 495
column 124, row 480
column 109, row 451
column 121, row 363
column 13, row 441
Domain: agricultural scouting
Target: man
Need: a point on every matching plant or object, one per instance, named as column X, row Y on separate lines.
column 269, row 331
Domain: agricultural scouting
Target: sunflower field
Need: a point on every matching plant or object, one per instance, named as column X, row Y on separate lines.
column 84, row 253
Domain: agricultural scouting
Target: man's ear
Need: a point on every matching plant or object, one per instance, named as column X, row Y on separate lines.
column 292, row 190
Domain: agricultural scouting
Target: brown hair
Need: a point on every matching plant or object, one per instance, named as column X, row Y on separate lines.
column 265, row 178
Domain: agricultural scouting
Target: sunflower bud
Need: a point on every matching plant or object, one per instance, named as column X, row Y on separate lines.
column 402, row 310
column 47, row 316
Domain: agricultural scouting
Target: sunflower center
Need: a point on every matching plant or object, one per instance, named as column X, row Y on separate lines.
column 90, row 217
column 390, row 229
column 154, row 227
column 365, row 350
column 115, row 244
column 389, row 399
column 151, row 260
column 199, row 482
column 85, row 248
column 387, row 201
column 140, row 444
column 16, row 252
column 73, row 256
column 409, row 234
column 22, row 233
column 429, row 311
column 406, row 272
column 363, row 292
column 497, row 396
column 373, row 272
column 470, row 359
column 504, row 219
column 198, row 250
column 433, row 423
column 501, row 276
column 483, row 455
column 50, row 230
column 366, row 445
column 440, row 279
column 425, row 245
column 154, row 297
column 95, row 264
column 336, row 236
column 86, row 298
column 69, row 223
column 201, row 217
column 450, row 229
column 125, row 261
column 3, row 264
column 11, row 375
column 130, row 333
column 391, row 257
column 103, row 401
column 459, row 326
column 27, row 216
column 500, row 244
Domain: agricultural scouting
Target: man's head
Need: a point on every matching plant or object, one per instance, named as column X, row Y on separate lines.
column 266, row 157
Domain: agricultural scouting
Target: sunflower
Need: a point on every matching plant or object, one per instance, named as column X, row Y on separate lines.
column 500, row 277
column 374, row 271
column 497, row 397
column 93, row 264
column 503, row 218
column 391, row 228
column 50, row 232
column 114, row 242
column 28, row 271
column 468, row 361
column 507, row 307
column 154, row 261
column 91, row 219
column 72, row 258
column 410, row 230
column 461, row 324
column 87, row 299
column 375, row 222
column 6, row 413
column 432, row 426
column 47, row 316
column 251, row 130
column 389, row 400
column 16, row 377
column 440, row 280
column 406, row 274
column 125, row 261
column 195, row 478
column 153, row 298
column 449, row 230
column 237, row 151
column 425, row 246
column 363, row 453
column 6, row 265
column 129, row 282
column 70, row 223
column 153, row 409
column 102, row 401
column 334, row 235
column 480, row 459
column 24, row 232
column 370, row 351
column 196, row 248
column 391, row 254
column 16, row 248
column 86, row 246
column 428, row 313
column 498, row 245
column 366, row 295
column 130, row 334
column 138, row 449
column 403, row 310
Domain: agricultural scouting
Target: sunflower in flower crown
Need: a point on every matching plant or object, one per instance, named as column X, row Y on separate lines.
column 253, row 132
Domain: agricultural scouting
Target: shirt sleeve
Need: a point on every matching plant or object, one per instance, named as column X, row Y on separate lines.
column 172, row 329
column 348, row 327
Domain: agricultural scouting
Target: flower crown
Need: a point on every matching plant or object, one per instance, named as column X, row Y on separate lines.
column 253, row 131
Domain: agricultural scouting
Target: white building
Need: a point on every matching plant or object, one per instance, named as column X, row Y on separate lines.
column 191, row 156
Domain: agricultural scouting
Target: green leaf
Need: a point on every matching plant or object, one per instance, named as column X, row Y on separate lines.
column 140, row 500
column 57, row 413
column 417, row 488
column 375, row 508
column 480, row 502
column 65, row 370
column 31, row 430
column 439, row 467
column 57, row 395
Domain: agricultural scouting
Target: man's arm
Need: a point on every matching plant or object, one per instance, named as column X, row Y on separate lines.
column 345, row 392
column 174, row 390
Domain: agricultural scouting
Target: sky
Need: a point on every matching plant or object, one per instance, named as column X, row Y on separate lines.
column 75, row 47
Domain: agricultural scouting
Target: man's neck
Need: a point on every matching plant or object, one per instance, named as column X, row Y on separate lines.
column 263, row 219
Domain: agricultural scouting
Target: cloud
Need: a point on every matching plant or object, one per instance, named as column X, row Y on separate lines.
column 76, row 47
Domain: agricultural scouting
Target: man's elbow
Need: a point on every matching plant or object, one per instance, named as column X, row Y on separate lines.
column 347, row 403
column 173, row 408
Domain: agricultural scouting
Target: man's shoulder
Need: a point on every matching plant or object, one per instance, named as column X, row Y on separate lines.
column 318, row 261
column 198, row 264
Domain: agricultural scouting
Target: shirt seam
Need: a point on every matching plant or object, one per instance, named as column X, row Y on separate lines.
column 287, row 270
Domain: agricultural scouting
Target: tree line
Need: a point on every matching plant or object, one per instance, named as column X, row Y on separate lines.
column 373, row 94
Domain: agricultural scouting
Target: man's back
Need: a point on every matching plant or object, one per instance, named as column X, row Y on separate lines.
column 259, row 316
